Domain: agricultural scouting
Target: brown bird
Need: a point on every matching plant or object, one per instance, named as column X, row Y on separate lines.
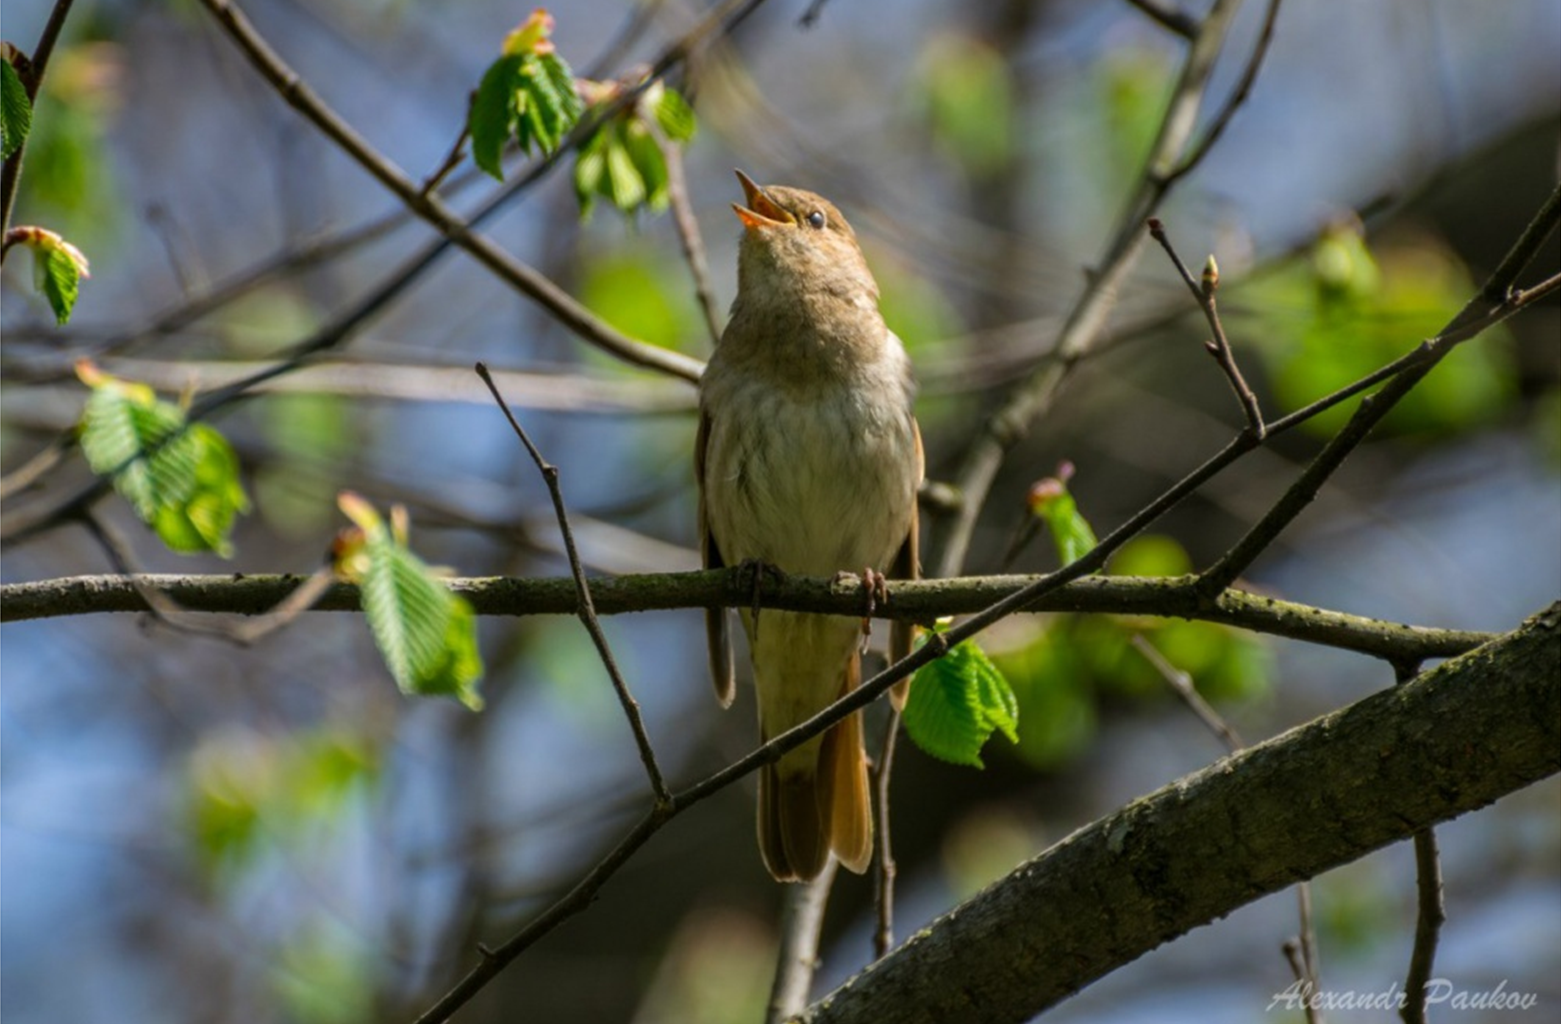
column 808, row 459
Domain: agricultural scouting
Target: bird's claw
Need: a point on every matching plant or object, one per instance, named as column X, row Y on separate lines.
column 756, row 571
column 875, row 588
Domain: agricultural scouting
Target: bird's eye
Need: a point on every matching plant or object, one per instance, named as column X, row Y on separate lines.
column 816, row 219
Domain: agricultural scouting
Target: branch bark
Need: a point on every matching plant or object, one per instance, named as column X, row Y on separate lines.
column 1325, row 793
column 913, row 600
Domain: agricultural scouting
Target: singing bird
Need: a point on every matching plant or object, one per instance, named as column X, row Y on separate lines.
column 808, row 459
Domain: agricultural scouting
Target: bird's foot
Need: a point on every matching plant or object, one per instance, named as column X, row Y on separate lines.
column 756, row 571
column 875, row 587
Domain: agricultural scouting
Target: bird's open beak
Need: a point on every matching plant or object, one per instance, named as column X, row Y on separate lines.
column 761, row 211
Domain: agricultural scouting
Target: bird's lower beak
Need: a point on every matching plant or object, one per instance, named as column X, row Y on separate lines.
column 760, row 212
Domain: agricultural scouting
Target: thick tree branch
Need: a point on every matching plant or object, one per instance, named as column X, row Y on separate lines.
column 1325, row 793
column 914, row 600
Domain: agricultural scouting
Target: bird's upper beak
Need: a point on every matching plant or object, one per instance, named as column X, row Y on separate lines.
column 761, row 211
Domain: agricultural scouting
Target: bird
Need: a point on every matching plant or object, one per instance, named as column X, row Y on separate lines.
column 808, row 459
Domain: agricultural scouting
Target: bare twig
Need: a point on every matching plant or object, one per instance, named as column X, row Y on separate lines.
column 1203, row 293
column 883, row 878
column 797, row 960
column 1302, row 951
column 31, row 76
column 689, row 238
column 1493, row 300
column 1431, row 912
column 1175, row 19
column 586, row 611
column 564, row 307
column 1295, row 955
column 1035, row 394
column 1181, row 683
column 1233, row 102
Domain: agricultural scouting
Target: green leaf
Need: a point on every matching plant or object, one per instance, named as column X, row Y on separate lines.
column 16, row 111
column 1050, row 501
column 493, row 113
column 675, row 116
column 527, row 96
column 624, row 186
column 427, row 635
column 60, row 282
column 650, row 163
column 590, row 169
column 182, row 479
column 967, row 90
column 957, row 702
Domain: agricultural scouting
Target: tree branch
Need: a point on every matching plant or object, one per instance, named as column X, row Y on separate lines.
column 914, row 600
column 1325, row 793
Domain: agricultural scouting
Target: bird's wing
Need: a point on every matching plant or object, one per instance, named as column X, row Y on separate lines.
column 907, row 566
column 720, row 644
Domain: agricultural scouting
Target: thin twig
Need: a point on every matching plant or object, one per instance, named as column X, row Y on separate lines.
column 1296, row 957
column 811, row 15
column 883, row 878
column 1181, row 684
column 1233, row 102
column 1203, row 293
column 689, row 238
column 32, row 81
column 453, row 158
column 1431, row 911
column 1493, row 298
column 1175, row 19
column 1085, row 322
column 586, row 610
column 526, row 279
column 797, row 960
column 1302, row 952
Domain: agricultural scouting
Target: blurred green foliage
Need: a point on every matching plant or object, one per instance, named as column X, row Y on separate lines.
column 1065, row 666
column 644, row 295
column 323, row 974
column 181, row 478
column 965, row 91
column 247, row 792
column 1348, row 310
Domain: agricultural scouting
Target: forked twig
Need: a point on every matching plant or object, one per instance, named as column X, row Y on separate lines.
column 585, row 610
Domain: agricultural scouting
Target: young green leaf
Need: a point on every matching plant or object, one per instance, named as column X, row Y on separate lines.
column 16, row 111
column 957, row 702
column 493, row 114
column 623, row 159
column 1050, row 501
column 58, row 267
column 527, row 94
column 427, row 635
column 182, row 479
column 674, row 115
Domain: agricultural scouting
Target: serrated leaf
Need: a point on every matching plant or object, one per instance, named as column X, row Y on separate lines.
column 427, row 635
column 527, row 96
column 493, row 113
column 16, row 111
column 649, row 162
column 957, row 702
column 590, row 168
column 562, row 77
column 623, row 183
column 181, row 479
column 674, row 116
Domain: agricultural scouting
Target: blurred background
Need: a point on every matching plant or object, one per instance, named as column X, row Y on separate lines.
column 191, row 831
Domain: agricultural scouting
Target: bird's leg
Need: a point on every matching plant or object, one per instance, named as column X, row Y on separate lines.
column 875, row 585
column 756, row 569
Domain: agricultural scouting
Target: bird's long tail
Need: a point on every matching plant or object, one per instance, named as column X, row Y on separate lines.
column 806, row 814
